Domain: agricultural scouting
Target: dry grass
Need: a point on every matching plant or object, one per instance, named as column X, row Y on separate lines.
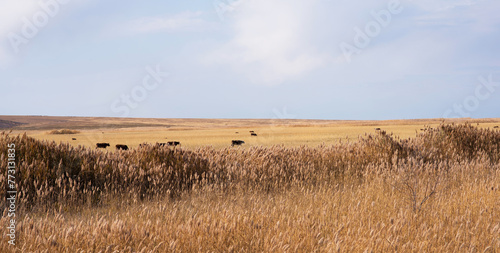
column 64, row 131
column 349, row 217
column 196, row 133
column 437, row 192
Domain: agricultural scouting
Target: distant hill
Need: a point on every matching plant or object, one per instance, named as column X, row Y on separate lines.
column 88, row 123
column 23, row 123
column 6, row 124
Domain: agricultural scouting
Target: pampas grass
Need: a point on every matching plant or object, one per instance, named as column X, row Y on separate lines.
column 437, row 192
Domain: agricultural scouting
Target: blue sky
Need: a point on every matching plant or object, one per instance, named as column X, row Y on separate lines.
column 315, row 59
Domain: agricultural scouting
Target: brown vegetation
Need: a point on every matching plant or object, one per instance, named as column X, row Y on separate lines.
column 8, row 124
column 437, row 192
column 64, row 131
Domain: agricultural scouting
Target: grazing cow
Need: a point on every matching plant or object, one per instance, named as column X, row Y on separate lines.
column 251, row 131
column 237, row 132
column 253, row 134
column 121, row 147
column 102, row 145
column 237, row 142
column 377, row 129
column 173, row 143
column 73, row 139
column 495, row 127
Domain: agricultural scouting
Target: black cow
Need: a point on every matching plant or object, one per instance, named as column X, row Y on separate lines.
column 253, row 134
column 237, row 142
column 173, row 143
column 121, row 147
column 377, row 129
column 73, row 139
column 102, row 145
column 495, row 127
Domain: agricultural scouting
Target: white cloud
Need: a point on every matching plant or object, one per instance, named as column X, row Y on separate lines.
column 16, row 16
column 435, row 39
column 474, row 14
column 419, row 53
column 275, row 41
column 270, row 42
column 456, row 4
column 4, row 57
column 443, row 5
column 11, row 13
column 185, row 21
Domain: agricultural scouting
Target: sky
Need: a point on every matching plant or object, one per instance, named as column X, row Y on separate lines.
column 294, row 59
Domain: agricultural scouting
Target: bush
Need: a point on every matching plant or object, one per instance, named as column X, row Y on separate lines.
column 64, row 131
column 51, row 174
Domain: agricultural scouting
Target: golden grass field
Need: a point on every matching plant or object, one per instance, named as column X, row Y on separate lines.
column 193, row 133
column 299, row 186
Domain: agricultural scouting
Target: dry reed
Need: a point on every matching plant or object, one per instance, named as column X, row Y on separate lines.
column 437, row 192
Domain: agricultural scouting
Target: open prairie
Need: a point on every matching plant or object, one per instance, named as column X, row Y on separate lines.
column 250, row 126
column 218, row 133
column 421, row 189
